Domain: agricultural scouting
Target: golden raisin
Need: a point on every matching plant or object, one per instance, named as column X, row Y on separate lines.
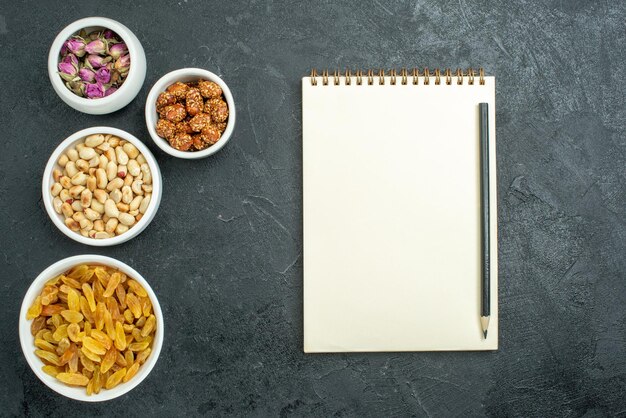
column 35, row 309
column 74, row 379
column 115, row 378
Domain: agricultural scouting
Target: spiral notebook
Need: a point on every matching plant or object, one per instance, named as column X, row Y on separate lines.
column 391, row 207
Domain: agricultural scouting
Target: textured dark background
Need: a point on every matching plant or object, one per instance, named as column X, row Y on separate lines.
column 224, row 251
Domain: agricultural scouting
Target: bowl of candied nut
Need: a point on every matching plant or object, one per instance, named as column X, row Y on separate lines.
column 91, row 328
column 101, row 186
column 190, row 113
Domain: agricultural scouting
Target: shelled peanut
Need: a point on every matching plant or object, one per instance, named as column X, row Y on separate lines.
column 93, row 326
column 102, row 186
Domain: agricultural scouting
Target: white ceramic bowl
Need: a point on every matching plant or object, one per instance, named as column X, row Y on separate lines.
column 59, row 219
column 128, row 90
column 185, row 75
column 28, row 343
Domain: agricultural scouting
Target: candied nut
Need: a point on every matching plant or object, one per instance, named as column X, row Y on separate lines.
column 209, row 89
column 219, row 110
column 193, row 101
column 221, row 126
column 184, row 127
column 198, row 122
column 175, row 112
column 178, row 89
column 181, row 142
column 165, row 129
column 165, row 99
column 198, row 143
column 210, row 134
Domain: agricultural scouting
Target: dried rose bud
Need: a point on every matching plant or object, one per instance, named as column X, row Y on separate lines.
column 209, row 89
column 94, row 91
column 93, row 35
column 175, row 113
column 97, row 46
column 86, row 74
column 76, row 46
column 109, row 91
column 76, row 87
column 193, row 101
column 198, row 122
column 122, row 64
column 165, row 99
column 117, row 50
column 96, row 61
column 181, row 142
column 178, row 89
column 103, row 75
column 210, row 134
column 219, row 110
column 108, row 34
column 165, row 129
column 68, row 68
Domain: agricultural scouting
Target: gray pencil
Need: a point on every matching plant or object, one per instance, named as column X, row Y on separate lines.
column 484, row 198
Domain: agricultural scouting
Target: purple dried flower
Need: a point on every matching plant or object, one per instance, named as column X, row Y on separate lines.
column 109, row 34
column 123, row 63
column 70, row 59
column 109, row 91
column 96, row 61
column 76, row 87
column 96, row 47
column 76, row 46
column 94, row 91
column 118, row 49
column 86, row 74
column 68, row 68
column 103, row 75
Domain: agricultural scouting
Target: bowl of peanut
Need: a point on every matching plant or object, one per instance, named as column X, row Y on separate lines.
column 101, row 186
column 91, row 328
column 190, row 113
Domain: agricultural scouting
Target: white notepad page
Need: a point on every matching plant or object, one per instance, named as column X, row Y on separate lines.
column 392, row 216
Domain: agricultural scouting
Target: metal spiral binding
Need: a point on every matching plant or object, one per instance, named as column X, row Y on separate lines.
column 404, row 76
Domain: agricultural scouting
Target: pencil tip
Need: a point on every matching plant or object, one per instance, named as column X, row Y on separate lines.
column 485, row 334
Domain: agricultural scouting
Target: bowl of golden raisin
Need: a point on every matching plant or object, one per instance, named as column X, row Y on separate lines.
column 91, row 328
column 190, row 113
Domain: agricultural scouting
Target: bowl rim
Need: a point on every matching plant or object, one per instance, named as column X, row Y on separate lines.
column 151, row 118
column 152, row 207
column 27, row 342
column 128, row 37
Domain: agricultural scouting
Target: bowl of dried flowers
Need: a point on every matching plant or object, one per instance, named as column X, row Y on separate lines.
column 96, row 65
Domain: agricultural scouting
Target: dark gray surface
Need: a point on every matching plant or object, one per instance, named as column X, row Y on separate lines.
column 224, row 251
